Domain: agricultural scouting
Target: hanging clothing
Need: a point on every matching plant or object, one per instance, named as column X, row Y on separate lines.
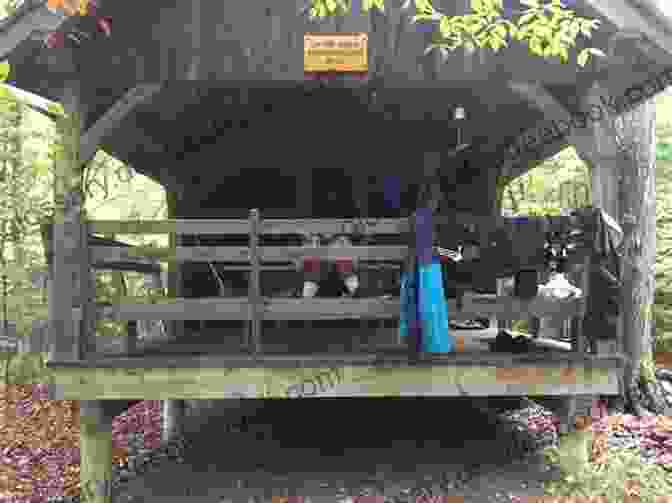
column 424, row 310
column 392, row 192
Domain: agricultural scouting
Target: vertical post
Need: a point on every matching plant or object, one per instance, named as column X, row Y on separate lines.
column 173, row 418
column 37, row 337
column 174, row 273
column 578, row 337
column 131, row 336
column 413, row 339
column 501, row 292
column 67, row 232
column 95, row 441
column 87, row 330
column 255, row 284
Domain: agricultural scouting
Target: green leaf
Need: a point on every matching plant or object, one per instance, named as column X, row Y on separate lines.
column 370, row 4
column 500, row 31
column 424, row 6
column 6, row 95
column 564, row 56
column 57, row 109
column 4, row 71
column 526, row 18
column 583, row 57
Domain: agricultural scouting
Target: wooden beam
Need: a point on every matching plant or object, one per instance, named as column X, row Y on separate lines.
column 111, row 119
column 24, row 23
column 539, row 97
column 645, row 17
column 213, row 377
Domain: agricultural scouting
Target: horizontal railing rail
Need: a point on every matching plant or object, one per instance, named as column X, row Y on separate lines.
column 215, row 308
column 241, row 254
column 354, row 226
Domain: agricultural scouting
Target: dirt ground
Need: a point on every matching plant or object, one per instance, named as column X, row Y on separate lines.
column 316, row 447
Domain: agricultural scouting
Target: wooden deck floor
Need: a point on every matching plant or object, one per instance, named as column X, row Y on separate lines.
column 212, row 365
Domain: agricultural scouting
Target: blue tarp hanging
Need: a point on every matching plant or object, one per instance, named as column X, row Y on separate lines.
column 424, row 308
column 423, row 300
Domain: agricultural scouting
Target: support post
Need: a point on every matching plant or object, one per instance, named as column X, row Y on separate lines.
column 96, row 451
column 566, row 413
column 174, row 412
column 255, row 285
column 413, row 338
column 87, row 330
column 579, row 342
column 67, row 233
column 174, row 283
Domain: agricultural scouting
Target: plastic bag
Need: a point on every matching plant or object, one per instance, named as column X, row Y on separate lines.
column 559, row 288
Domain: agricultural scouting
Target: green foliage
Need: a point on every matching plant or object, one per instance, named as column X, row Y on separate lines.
column 26, row 368
column 562, row 181
column 549, row 29
column 611, row 480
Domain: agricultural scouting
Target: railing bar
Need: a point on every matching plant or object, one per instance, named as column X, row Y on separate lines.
column 255, row 285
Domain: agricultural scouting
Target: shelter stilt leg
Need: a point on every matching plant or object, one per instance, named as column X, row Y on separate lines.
column 96, row 451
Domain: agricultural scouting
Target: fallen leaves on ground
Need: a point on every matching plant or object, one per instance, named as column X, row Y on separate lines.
column 39, row 440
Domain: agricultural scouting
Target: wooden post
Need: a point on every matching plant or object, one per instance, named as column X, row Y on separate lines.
column 501, row 292
column 87, row 330
column 174, row 283
column 173, row 419
column 95, row 440
column 255, row 285
column 67, row 235
column 413, row 337
column 579, row 342
column 37, row 336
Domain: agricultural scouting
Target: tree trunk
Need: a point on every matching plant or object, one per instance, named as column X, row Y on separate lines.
column 624, row 186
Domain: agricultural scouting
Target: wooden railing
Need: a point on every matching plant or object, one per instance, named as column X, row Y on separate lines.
column 254, row 308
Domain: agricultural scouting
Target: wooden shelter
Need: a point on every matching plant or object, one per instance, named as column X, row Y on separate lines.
column 209, row 99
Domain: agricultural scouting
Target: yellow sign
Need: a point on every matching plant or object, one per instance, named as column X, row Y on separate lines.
column 340, row 52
